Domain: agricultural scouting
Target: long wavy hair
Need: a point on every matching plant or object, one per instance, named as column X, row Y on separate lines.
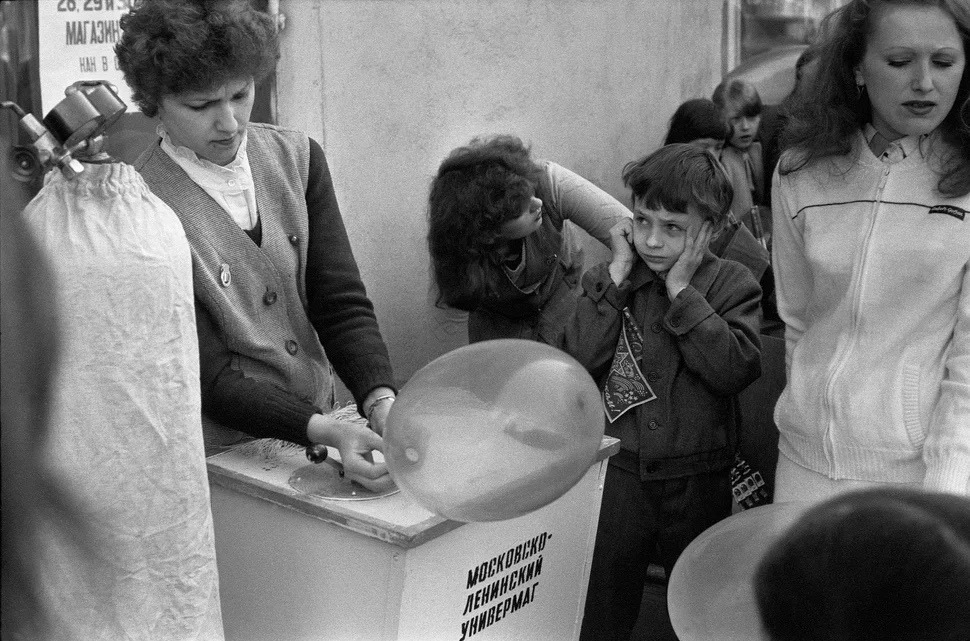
column 478, row 187
column 827, row 125
column 172, row 46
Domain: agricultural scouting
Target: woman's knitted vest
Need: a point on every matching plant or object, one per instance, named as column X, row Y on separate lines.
column 256, row 295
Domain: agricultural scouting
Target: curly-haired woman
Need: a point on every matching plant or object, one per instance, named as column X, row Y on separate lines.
column 279, row 300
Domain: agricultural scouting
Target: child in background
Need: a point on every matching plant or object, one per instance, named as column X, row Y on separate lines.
column 742, row 155
column 671, row 332
column 499, row 245
column 742, row 158
column 700, row 122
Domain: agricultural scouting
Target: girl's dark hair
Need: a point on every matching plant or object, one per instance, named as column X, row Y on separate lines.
column 478, row 188
column 828, row 124
column 677, row 176
column 737, row 94
column 885, row 563
column 173, row 46
column 806, row 57
column 697, row 118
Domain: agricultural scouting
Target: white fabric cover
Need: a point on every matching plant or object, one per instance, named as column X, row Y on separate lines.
column 126, row 435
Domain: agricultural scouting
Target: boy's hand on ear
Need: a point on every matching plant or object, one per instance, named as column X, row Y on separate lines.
column 689, row 260
column 624, row 257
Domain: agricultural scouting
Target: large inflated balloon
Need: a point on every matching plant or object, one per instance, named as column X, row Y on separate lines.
column 710, row 595
column 494, row 430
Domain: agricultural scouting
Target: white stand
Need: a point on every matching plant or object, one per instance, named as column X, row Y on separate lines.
column 294, row 566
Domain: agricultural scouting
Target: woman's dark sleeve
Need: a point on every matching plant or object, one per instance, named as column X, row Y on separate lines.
column 339, row 308
column 249, row 405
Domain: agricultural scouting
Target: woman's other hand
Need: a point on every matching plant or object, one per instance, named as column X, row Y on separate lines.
column 356, row 443
column 357, row 448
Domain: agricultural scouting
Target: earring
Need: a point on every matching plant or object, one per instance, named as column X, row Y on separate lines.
column 860, row 88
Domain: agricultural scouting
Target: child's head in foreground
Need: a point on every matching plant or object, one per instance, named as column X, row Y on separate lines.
column 885, row 563
column 675, row 190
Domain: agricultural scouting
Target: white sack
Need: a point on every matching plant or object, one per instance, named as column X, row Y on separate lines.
column 126, row 435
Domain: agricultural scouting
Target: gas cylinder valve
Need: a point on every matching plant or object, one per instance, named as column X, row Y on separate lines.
column 74, row 128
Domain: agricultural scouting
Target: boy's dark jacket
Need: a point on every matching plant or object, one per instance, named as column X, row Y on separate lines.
column 699, row 351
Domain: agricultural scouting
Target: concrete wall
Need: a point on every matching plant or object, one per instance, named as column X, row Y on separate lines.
column 389, row 87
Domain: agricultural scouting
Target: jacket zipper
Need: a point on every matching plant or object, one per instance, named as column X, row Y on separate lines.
column 828, row 442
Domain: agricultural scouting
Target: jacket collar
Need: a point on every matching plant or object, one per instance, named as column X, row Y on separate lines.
column 908, row 144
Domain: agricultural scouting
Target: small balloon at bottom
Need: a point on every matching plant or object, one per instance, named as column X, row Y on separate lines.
column 710, row 595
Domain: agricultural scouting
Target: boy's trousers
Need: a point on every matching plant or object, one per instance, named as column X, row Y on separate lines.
column 640, row 522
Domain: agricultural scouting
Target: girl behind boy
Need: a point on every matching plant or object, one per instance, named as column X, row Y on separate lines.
column 499, row 245
column 742, row 155
column 701, row 122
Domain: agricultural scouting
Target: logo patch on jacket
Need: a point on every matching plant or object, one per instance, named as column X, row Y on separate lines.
column 949, row 210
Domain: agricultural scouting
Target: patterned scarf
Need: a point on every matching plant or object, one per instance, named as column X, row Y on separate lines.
column 626, row 386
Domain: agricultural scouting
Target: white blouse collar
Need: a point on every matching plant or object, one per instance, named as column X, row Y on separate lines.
column 241, row 161
column 231, row 185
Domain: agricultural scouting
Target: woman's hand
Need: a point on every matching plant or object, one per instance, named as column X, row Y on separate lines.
column 689, row 260
column 624, row 257
column 377, row 405
column 356, row 444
